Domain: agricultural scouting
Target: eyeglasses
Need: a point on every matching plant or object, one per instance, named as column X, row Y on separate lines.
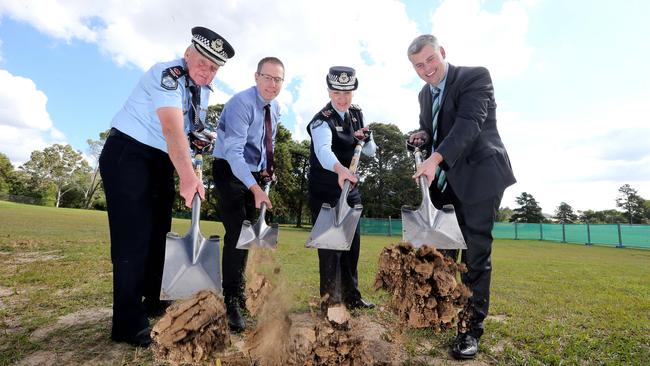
column 268, row 78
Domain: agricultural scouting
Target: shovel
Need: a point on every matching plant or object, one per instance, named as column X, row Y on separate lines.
column 191, row 262
column 260, row 234
column 335, row 226
column 428, row 226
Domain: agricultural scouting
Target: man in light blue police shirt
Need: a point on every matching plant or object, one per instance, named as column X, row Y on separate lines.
column 244, row 157
column 147, row 142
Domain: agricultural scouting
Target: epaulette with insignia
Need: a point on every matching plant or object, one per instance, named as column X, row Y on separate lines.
column 355, row 106
column 327, row 112
column 170, row 76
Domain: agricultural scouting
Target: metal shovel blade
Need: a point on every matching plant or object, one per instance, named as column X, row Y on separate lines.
column 335, row 226
column 191, row 262
column 428, row 226
column 260, row 234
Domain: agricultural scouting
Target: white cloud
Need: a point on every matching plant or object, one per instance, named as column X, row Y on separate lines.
column 25, row 124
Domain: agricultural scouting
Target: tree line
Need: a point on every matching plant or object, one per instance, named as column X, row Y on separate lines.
column 60, row 176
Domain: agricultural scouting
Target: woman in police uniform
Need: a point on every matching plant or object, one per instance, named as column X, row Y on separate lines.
column 334, row 133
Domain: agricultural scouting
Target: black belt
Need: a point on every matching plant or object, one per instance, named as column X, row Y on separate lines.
column 119, row 134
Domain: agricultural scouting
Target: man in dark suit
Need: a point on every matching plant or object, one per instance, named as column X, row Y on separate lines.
column 468, row 165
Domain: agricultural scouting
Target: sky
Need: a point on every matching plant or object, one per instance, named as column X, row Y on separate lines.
column 570, row 77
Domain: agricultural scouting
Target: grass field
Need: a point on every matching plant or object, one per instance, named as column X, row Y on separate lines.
column 552, row 304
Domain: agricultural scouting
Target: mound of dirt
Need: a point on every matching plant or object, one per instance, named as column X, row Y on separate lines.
column 194, row 330
column 423, row 285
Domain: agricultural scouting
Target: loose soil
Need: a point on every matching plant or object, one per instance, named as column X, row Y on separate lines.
column 423, row 285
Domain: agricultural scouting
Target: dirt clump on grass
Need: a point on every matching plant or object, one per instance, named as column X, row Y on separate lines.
column 422, row 281
column 193, row 330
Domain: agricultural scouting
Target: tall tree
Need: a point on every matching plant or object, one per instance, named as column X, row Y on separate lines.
column 529, row 210
column 386, row 178
column 631, row 203
column 504, row 214
column 6, row 173
column 602, row 217
column 564, row 214
column 298, row 201
column 59, row 165
column 93, row 181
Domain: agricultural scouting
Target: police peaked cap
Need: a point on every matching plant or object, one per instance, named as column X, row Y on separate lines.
column 342, row 78
column 211, row 45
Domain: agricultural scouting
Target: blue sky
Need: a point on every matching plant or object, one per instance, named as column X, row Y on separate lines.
column 569, row 76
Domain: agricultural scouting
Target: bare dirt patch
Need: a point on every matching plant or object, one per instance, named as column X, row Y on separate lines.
column 77, row 318
column 31, row 257
column 425, row 292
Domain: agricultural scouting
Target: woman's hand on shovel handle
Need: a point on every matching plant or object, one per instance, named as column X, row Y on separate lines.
column 428, row 168
column 345, row 174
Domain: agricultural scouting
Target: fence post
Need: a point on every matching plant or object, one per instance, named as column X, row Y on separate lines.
column 390, row 227
column 620, row 238
column 516, row 233
column 541, row 232
column 563, row 234
column 588, row 235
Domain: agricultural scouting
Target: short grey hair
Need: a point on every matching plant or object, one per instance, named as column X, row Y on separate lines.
column 420, row 41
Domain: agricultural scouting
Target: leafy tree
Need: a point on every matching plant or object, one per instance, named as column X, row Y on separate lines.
column 631, row 203
column 529, row 210
column 298, row 200
column 564, row 214
column 93, row 181
column 602, row 217
column 6, row 173
column 58, row 166
column 387, row 183
column 504, row 214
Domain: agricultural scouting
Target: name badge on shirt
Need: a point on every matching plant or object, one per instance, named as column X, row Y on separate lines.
column 339, row 128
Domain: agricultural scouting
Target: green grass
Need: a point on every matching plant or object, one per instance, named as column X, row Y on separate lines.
column 556, row 304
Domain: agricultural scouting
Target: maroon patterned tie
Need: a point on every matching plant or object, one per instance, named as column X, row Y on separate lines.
column 268, row 139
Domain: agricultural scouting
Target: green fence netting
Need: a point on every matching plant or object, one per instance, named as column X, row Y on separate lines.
column 618, row 235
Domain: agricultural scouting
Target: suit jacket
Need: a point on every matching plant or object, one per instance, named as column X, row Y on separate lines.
column 475, row 159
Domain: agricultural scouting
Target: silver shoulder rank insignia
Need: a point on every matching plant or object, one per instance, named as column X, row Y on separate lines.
column 170, row 76
column 327, row 113
column 355, row 106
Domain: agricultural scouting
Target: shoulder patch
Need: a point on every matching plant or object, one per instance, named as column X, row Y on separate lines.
column 355, row 106
column 317, row 123
column 170, row 76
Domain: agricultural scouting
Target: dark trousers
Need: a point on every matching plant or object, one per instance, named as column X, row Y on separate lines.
column 139, row 186
column 338, row 268
column 476, row 222
column 236, row 204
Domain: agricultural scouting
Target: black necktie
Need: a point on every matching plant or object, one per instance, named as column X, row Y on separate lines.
column 268, row 139
column 195, row 108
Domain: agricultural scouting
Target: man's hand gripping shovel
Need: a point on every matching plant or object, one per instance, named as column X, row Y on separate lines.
column 259, row 234
column 191, row 262
column 426, row 225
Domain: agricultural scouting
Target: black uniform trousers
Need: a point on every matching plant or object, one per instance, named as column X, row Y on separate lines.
column 139, row 186
column 476, row 221
column 236, row 204
column 338, row 268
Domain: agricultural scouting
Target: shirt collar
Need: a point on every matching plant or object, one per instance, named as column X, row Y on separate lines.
column 442, row 83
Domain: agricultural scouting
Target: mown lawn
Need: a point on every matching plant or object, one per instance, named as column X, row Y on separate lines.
column 552, row 304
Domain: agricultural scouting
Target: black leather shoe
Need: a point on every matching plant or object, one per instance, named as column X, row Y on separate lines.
column 360, row 304
column 157, row 309
column 465, row 346
column 140, row 339
column 236, row 321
